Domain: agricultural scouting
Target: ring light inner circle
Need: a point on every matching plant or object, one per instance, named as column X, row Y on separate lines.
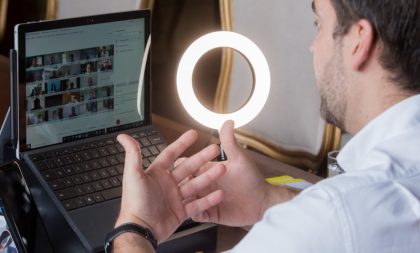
column 246, row 88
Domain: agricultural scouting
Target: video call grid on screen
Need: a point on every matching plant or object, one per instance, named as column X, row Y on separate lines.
column 81, row 80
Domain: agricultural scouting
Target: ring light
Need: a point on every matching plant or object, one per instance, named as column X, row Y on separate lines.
column 258, row 64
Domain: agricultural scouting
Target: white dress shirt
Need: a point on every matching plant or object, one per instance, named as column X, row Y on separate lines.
column 373, row 207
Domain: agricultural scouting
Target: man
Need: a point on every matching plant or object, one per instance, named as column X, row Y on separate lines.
column 366, row 61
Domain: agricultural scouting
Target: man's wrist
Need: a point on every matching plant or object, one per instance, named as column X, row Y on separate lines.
column 124, row 218
column 132, row 242
column 276, row 195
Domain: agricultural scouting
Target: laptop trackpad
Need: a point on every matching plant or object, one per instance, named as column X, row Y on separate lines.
column 97, row 220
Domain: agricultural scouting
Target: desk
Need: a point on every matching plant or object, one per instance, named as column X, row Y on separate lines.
column 228, row 236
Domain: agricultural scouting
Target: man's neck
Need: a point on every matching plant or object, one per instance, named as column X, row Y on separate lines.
column 370, row 100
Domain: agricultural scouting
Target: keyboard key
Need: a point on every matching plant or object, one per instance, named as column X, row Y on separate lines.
column 103, row 173
column 85, row 156
column 104, row 162
column 59, row 161
column 51, row 164
column 68, row 182
column 67, row 160
column 77, row 169
column 69, row 171
column 66, row 194
column 57, row 185
column 120, row 169
column 109, row 141
column 50, row 175
column 95, row 154
column 113, row 160
column 145, row 142
column 114, row 181
column 98, row 197
column 86, row 178
column 42, row 165
column 98, row 186
column 78, row 180
column 95, row 165
column 101, row 143
column 69, row 204
column 112, row 193
column 86, row 166
column 112, row 150
column 80, row 202
column 89, row 200
column 146, row 163
column 106, row 184
column 60, row 173
column 92, row 145
column 58, row 153
column 151, row 132
column 155, row 139
column 95, row 175
column 89, row 188
column 112, row 171
column 80, row 190
column 78, row 158
column 154, row 150
column 103, row 151
column 120, row 158
column 152, row 158
column 37, row 157
column 119, row 147
column 145, row 152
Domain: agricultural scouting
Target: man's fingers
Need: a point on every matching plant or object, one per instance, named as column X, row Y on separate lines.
column 198, row 206
column 179, row 161
column 194, row 163
column 196, row 185
column 228, row 140
column 132, row 153
column 168, row 156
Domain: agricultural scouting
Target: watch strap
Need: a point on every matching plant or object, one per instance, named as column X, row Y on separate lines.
column 129, row 227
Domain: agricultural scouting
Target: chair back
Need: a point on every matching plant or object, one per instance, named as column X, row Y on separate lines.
column 289, row 128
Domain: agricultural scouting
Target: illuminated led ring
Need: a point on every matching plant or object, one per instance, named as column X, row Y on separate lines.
column 261, row 79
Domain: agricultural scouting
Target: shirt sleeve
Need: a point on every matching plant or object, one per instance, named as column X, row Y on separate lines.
column 308, row 223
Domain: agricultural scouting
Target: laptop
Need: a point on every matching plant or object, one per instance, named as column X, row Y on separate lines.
column 78, row 88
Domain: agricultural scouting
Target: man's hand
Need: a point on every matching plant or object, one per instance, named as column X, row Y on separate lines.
column 246, row 193
column 154, row 198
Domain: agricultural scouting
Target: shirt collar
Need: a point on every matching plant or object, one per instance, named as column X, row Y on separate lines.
column 392, row 122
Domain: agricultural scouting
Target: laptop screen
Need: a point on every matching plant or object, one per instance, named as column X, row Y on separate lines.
column 82, row 81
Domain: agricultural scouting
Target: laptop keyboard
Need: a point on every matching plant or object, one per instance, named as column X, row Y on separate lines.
column 92, row 172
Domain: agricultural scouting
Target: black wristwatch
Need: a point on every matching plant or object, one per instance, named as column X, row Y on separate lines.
column 129, row 227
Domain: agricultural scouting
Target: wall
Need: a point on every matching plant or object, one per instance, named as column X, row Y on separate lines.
column 75, row 8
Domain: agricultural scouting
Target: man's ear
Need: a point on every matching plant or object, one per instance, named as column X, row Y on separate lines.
column 363, row 43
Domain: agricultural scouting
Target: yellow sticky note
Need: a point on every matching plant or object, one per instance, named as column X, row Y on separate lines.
column 288, row 180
